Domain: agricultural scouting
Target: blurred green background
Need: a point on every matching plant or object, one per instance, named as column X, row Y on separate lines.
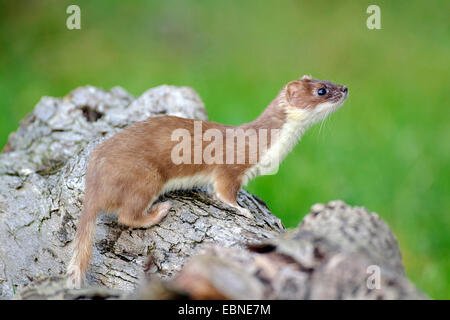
column 387, row 148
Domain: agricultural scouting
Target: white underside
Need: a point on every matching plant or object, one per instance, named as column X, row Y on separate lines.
column 288, row 137
column 184, row 183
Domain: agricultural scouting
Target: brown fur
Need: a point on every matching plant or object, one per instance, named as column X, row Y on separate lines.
column 127, row 172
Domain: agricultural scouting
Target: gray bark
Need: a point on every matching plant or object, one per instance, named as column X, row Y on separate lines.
column 331, row 255
column 202, row 249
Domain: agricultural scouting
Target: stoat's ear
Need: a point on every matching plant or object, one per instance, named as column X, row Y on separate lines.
column 294, row 91
column 306, row 77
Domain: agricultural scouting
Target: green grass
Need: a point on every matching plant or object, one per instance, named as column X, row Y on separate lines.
column 386, row 149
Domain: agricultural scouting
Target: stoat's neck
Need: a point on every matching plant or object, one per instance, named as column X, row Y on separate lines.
column 273, row 117
column 290, row 124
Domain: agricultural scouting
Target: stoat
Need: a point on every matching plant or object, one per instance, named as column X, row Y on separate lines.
column 129, row 171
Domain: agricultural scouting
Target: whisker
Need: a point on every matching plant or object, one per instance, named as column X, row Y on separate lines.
column 322, row 123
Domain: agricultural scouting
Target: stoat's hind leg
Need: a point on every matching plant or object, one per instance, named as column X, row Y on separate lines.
column 157, row 212
column 137, row 209
column 145, row 219
column 226, row 189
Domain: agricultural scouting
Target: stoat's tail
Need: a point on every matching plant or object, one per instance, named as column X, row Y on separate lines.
column 83, row 245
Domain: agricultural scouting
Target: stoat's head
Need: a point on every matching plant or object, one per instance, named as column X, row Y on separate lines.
column 312, row 100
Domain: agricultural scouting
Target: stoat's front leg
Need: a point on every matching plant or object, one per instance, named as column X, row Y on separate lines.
column 226, row 188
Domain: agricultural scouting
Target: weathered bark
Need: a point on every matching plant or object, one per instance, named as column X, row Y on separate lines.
column 331, row 255
column 334, row 254
column 202, row 249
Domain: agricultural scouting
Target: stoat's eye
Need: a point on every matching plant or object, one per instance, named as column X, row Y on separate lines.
column 322, row 91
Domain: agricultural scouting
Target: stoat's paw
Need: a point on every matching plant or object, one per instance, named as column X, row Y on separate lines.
column 158, row 212
column 162, row 210
column 74, row 277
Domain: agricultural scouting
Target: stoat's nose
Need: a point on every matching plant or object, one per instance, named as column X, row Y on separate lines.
column 344, row 89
